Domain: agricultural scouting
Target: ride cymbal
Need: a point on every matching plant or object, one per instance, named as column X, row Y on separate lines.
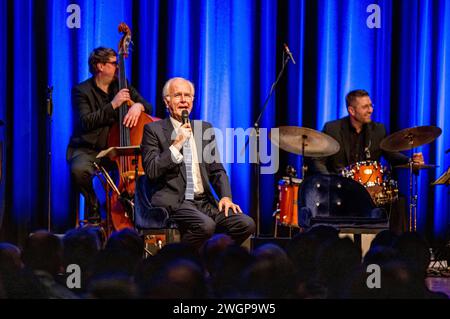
column 316, row 144
column 410, row 138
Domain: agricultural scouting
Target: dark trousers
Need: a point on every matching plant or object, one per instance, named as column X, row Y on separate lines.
column 198, row 220
column 82, row 171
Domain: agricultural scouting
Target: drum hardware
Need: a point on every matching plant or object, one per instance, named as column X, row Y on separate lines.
column 304, row 142
column 409, row 139
column 444, row 179
column 376, row 179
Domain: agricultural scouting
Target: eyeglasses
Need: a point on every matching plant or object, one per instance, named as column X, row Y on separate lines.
column 367, row 106
column 115, row 63
column 179, row 96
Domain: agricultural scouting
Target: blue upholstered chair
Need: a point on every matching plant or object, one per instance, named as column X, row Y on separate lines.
column 148, row 219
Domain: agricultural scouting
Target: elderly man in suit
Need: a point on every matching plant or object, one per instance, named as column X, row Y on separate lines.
column 183, row 179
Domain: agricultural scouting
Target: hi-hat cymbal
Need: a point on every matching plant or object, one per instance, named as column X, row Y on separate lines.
column 410, row 138
column 317, row 144
column 417, row 166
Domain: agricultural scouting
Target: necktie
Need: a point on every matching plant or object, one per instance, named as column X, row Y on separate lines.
column 187, row 156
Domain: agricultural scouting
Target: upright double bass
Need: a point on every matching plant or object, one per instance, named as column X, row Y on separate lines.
column 120, row 135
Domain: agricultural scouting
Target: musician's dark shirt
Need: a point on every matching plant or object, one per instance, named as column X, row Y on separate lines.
column 357, row 144
column 95, row 114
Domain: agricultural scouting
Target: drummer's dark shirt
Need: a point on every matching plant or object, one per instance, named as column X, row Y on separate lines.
column 357, row 144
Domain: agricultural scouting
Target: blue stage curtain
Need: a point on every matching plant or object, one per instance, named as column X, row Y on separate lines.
column 232, row 52
column 3, row 90
column 23, row 120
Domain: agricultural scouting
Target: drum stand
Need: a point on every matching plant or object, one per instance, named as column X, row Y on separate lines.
column 49, row 156
column 412, row 196
column 408, row 139
column 304, row 168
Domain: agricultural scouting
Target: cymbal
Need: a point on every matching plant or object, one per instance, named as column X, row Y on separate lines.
column 415, row 167
column 410, row 138
column 317, row 144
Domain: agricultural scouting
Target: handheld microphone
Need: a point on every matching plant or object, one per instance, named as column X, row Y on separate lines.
column 184, row 117
column 288, row 52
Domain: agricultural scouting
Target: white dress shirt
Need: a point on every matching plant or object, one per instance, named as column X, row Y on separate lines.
column 198, row 185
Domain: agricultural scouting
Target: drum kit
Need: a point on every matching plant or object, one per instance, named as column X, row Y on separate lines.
column 371, row 174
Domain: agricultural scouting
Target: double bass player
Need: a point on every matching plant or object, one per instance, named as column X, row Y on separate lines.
column 96, row 102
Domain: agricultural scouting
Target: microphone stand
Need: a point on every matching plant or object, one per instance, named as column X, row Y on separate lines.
column 257, row 167
column 49, row 154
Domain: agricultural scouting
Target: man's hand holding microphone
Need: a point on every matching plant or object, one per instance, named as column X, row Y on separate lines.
column 184, row 132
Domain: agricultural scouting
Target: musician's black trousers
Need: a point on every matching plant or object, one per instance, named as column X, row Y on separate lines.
column 82, row 171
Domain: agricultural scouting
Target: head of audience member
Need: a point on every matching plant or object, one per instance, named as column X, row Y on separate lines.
column 81, row 245
column 112, row 286
column 178, row 279
column 303, row 250
column 324, row 233
column 271, row 275
column 126, row 240
column 3, row 293
column 43, row 251
column 337, row 261
column 178, row 95
column 230, row 265
column 17, row 281
column 114, row 263
column 150, row 270
column 395, row 281
column 385, row 238
column 174, row 251
column 10, row 257
column 380, row 255
column 212, row 248
column 414, row 250
column 277, row 256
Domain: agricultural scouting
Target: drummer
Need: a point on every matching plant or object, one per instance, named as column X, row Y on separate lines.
column 359, row 138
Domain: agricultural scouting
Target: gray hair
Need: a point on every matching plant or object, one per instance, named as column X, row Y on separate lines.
column 165, row 91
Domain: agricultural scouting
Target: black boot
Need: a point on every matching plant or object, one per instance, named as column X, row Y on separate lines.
column 93, row 215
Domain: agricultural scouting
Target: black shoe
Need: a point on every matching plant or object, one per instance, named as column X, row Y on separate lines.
column 94, row 220
column 93, row 216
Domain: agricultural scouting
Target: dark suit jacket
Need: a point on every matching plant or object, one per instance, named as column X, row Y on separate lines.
column 95, row 117
column 169, row 178
column 340, row 131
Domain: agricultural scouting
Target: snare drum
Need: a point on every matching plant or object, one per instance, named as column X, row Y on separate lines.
column 368, row 173
column 288, row 201
column 374, row 178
